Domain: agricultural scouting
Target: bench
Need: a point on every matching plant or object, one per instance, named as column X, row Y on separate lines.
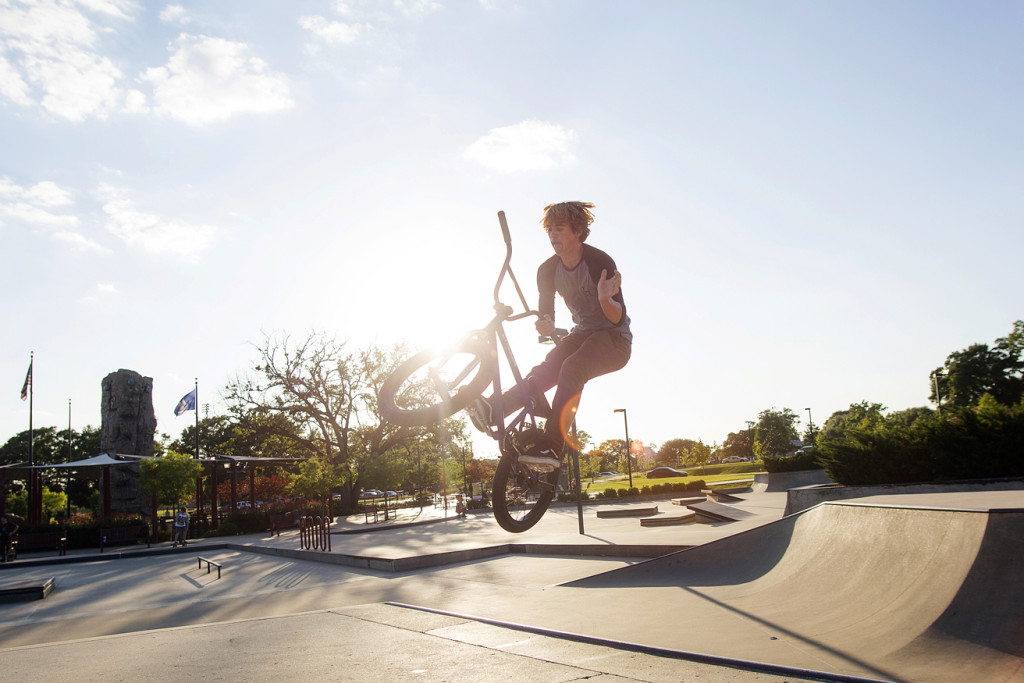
column 40, row 540
column 374, row 510
column 123, row 535
column 278, row 522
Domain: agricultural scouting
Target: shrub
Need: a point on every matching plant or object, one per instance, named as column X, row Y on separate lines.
column 806, row 460
column 249, row 522
column 983, row 441
column 644, row 490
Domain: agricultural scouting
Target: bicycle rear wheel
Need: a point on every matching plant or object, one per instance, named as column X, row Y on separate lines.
column 521, row 495
column 433, row 385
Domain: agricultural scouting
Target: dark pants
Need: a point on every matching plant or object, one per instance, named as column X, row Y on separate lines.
column 576, row 359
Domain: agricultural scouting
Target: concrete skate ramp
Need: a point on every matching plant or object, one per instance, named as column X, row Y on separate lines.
column 923, row 593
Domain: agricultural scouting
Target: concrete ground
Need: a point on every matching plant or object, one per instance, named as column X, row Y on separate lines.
column 422, row 596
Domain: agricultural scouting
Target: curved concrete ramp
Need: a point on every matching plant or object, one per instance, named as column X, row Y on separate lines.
column 910, row 593
column 784, row 481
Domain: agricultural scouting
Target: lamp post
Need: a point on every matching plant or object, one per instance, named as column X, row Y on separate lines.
column 750, row 428
column 810, row 422
column 629, row 464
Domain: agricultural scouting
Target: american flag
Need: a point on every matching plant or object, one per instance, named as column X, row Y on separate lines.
column 27, row 384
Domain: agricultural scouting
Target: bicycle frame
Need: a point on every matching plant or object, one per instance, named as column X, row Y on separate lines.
column 495, row 331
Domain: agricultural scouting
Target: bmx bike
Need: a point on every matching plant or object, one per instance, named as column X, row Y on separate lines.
column 435, row 384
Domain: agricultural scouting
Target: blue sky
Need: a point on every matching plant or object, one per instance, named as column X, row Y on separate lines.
column 811, row 204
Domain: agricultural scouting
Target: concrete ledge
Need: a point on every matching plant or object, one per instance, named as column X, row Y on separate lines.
column 726, row 495
column 403, row 564
column 27, row 591
column 689, row 501
column 629, row 512
column 710, row 512
column 670, row 520
column 804, row 498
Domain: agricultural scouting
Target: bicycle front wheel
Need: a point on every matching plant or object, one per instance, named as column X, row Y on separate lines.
column 433, row 385
column 521, row 495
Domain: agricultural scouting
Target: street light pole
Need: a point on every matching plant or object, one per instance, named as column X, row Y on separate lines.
column 629, row 463
column 810, row 422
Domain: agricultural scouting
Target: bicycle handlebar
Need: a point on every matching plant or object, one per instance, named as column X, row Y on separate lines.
column 504, row 229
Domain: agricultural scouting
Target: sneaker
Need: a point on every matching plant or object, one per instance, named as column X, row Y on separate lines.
column 480, row 413
column 541, row 454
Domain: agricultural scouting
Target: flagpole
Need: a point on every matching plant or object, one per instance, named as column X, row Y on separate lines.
column 31, row 454
column 197, row 417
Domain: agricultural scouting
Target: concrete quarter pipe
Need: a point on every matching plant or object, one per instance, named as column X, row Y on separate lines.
column 889, row 592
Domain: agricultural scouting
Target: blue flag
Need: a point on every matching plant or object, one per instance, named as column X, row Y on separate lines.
column 187, row 402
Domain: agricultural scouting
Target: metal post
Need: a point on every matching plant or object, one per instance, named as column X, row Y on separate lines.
column 629, row 461
column 810, row 422
column 576, row 475
column 67, row 486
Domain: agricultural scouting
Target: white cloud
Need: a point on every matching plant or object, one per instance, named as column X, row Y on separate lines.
column 47, row 193
column 80, row 242
column 150, row 232
column 211, row 79
column 528, row 146
column 12, row 85
column 417, row 7
column 50, row 56
column 175, row 14
column 330, row 32
column 106, row 288
column 31, row 206
column 34, row 208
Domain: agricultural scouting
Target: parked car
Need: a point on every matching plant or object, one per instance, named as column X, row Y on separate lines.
column 662, row 472
column 371, row 493
column 735, row 458
column 607, row 474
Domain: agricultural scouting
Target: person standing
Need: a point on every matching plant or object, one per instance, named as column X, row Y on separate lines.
column 180, row 527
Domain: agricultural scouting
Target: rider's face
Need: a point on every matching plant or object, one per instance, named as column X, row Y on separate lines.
column 563, row 239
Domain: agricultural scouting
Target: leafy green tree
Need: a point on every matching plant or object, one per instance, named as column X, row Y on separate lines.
column 673, row 453
column 699, row 454
column 979, row 369
column 316, row 478
column 859, row 416
column 216, row 437
column 775, row 432
column 171, row 478
column 738, row 444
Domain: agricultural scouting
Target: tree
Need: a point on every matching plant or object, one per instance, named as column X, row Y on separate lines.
column 170, row 478
column 698, row 454
column 321, row 400
column 674, row 451
column 775, row 431
column 859, row 416
column 216, row 437
column 977, row 370
column 739, row 444
column 316, row 478
column 612, row 453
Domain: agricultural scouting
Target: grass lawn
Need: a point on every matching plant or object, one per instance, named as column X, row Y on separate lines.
column 710, row 474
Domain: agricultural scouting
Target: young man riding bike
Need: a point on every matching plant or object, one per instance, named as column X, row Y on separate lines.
column 599, row 342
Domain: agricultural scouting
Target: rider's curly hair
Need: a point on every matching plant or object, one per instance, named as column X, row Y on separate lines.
column 577, row 215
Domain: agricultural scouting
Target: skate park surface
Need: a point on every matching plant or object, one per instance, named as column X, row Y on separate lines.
column 917, row 587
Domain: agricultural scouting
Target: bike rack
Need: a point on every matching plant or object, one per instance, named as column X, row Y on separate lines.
column 315, row 533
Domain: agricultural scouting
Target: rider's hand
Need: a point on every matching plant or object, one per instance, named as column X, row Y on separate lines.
column 607, row 287
column 545, row 326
